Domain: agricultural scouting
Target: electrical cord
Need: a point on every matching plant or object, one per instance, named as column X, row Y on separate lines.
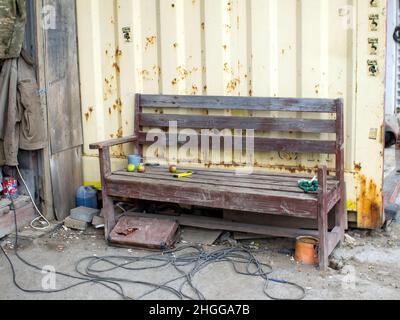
column 83, row 281
column 94, row 270
column 41, row 216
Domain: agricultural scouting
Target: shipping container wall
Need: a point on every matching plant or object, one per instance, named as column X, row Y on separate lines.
column 266, row 48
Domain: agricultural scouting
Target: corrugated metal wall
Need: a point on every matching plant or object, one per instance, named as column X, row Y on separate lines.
column 278, row 48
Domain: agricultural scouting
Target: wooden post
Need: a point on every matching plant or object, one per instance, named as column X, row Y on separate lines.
column 138, row 128
column 323, row 218
column 340, row 209
column 108, row 204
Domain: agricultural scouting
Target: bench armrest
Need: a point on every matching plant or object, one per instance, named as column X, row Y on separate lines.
column 111, row 143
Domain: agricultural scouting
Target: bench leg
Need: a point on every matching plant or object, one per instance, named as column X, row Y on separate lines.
column 108, row 204
column 340, row 219
column 109, row 215
column 323, row 219
column 323, row 239
column 340, row 214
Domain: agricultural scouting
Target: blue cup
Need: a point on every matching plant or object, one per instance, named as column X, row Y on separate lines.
column 135, row 160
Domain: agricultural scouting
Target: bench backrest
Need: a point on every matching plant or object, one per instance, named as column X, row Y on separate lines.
column 143, row 118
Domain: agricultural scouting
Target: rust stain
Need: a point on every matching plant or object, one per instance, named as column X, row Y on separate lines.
column 145, row 74
column 150, row 41
column 203, row 26
column 357, row 167
column 232, row 85
column 278, row 168
column 174, row 82
column 195, row 89
column 89, row 113
column 175, row 45
column 369, row 204
column 317, row 89
column 157, row 70
column 108, row 89
column 226, row 67
column 116, row 66
column 117, row 106
column 118, row 52
column 183, row 73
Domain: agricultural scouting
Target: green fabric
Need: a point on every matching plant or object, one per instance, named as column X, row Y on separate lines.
column 12, row 28
column 308, row 185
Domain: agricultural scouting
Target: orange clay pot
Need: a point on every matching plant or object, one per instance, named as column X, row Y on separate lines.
column 307, row 250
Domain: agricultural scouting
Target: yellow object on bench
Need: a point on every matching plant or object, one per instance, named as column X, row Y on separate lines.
column 183, row 175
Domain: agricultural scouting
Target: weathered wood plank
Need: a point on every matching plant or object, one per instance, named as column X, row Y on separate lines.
column 333, row 239
column 255, row 123
column 333, row 197
column 256, row 176
column 268, row 201
column 222, row 178
column 257, row 173
column 323, row 218
column 214, row 182
column 108, row 204
column 220, row 224
column 239, row 103
column 113, row 142
column 263, row 144
column 24, row 216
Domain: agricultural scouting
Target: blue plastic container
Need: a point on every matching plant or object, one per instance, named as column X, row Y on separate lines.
column 87, row 197
column 135, row 159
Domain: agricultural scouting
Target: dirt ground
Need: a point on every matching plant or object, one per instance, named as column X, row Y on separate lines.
column 365, row 267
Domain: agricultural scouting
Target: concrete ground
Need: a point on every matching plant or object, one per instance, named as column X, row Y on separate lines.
column 365, row 267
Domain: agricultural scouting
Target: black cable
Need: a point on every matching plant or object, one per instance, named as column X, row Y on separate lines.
column 396, row 34
column 83, row 280
column 195, row 258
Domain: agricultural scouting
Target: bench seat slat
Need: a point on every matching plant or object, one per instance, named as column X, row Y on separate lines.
column 222, row 181
column 232, row 198
column 239, row 103
column 255, row 123
column 231, row 176
column 257, row 174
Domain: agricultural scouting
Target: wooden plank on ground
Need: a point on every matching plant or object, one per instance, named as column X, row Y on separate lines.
column 220, row 224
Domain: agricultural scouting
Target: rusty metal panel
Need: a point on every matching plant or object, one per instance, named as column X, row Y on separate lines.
column 277, row 48
column 145, row 233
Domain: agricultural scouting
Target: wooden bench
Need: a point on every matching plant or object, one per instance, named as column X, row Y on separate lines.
column 261, row 192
